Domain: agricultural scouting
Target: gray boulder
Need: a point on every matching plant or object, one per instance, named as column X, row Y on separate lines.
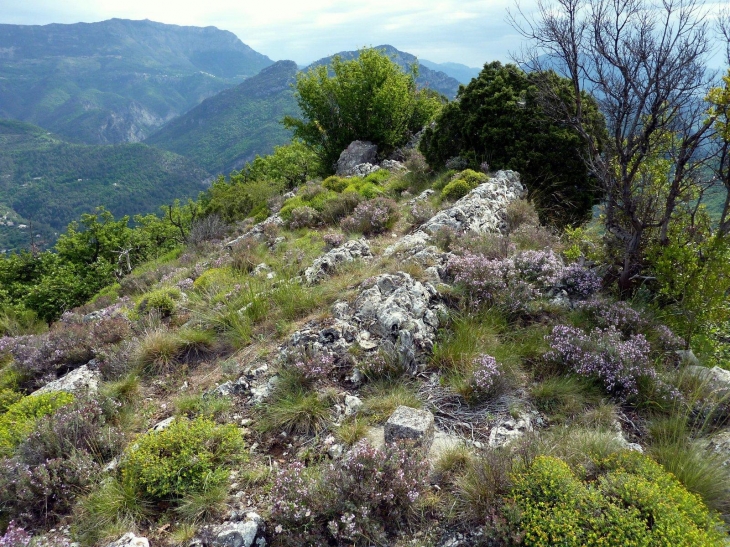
column 410, row 424
column 358, row 152
column 481, row 210
column 330, row 261
column 363, row 170
column 240, row 534
column 717, row 378
column 402, row 311
column 83, row 379
column 508, row 430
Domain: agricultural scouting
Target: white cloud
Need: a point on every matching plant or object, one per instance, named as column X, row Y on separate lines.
column 465, row 31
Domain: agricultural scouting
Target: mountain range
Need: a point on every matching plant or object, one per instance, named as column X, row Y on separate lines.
column 133, row 114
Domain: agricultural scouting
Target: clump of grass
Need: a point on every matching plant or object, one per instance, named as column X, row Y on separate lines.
column 352, row 431
column 698, row 468
column 578, row 446
column 210, row 406
column 160, row 350
column 454, row 461
column 565, row 397
column 203, row 504
column 481, row 486
column 383, row 397
column 294, row 410
column 110, row 511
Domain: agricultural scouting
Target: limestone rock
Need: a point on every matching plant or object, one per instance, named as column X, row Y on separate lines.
column 364, row 169
column 330, row 261
column 720, row 443
column 83, row 379
column 239, row 534
column 130, row 540
column 164, row 424
column 352, row 405
column 230, row 389
column 481, row 210
column 356, row 153
column 401, row 311
column 393, row 165
column 410, row 424
column 418, row 248
column 257, row 232
column 508, row 430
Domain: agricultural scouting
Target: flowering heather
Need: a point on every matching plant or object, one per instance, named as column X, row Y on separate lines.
column 543, row 269
column 579, row 281
column 486, row 373
column 314, row 367
column 372, row 217
column 603, row 354
column 481, row 277
column 14, row 536
column 359, row 500
column 617, row 314
column 333, row 239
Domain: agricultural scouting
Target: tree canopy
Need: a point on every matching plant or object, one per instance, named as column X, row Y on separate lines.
column 369, row 98
column 498, row 119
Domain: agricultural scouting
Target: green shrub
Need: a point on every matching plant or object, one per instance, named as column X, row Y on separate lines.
column 188, row 456
column 633, row 502
column 338, row 208
column 462, row 184
column 21, row 417
column 335, row 183
column 163, row 301
column 8, row 397
column 455, row 190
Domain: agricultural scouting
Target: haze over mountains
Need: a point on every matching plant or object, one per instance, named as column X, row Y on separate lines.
column 197, row 101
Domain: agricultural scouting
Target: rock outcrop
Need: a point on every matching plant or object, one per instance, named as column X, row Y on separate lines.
column 81, row 380
column 357, row 153
column 481, row 210
column 330, row 261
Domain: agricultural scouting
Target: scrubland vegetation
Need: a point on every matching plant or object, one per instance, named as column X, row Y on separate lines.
column 213, row 397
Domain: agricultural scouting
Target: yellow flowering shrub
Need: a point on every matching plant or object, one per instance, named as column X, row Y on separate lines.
column 20, row 418
column 633, row 502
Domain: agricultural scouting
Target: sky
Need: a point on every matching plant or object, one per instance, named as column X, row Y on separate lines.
column 470, row 32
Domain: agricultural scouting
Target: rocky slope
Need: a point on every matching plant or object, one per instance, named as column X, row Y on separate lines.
column 394, row 385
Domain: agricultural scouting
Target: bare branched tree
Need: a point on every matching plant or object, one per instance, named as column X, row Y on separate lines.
column 721, row 105
column 644, row 62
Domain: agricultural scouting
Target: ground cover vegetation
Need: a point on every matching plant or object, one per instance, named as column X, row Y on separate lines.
column 568, row 411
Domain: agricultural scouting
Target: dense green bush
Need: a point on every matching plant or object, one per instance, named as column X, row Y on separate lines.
column 162, row 301
column 633, row 501
column 188, row 456
column 368, row 98
column 462, row 184
column 498, row 118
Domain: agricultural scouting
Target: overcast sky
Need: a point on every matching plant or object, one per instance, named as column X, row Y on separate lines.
column 471, row 32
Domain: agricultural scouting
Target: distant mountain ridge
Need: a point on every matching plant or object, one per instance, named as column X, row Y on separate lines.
column 117, row 80
column 432, row 79
column 225, row 131
column 458, row 71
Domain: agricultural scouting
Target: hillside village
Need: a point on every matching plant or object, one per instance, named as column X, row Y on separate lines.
column 418, row 322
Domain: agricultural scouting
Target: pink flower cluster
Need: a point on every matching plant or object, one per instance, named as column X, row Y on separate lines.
column 605, row 355
column 368, row 493
column 486, row 373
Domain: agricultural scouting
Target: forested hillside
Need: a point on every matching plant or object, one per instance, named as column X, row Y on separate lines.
column 117, row 80
column 50, row 182
column 228, row 130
